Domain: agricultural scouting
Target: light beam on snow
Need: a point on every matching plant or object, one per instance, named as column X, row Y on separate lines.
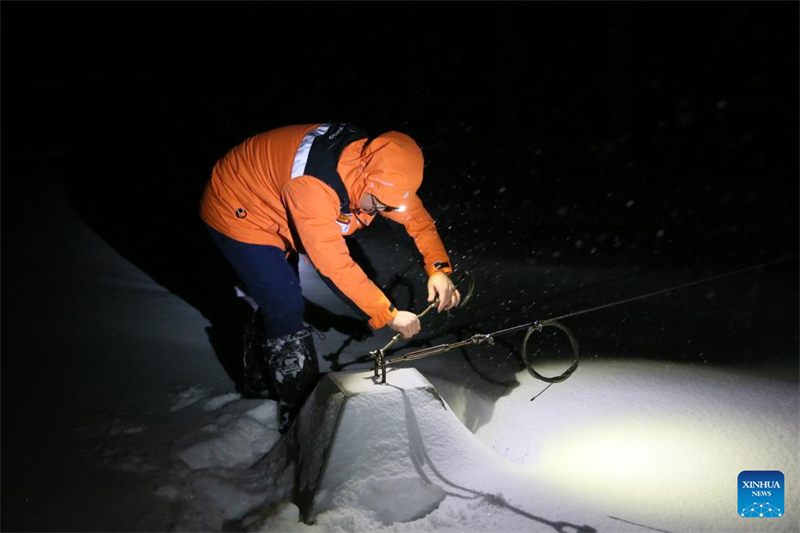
column 648, row 464
column 643, row 440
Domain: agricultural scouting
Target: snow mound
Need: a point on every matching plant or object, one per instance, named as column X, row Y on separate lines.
column 221, row 401
column 239, row 443
column 187, row 397
column 392, row 451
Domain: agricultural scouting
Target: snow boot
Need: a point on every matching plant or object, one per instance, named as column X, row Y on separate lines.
column 294, row 372
column 254, row 385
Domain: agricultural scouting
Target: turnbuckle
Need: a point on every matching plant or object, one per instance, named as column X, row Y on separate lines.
column 380, row 364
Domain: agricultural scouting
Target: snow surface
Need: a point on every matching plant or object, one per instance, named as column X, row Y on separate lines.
column 141, row 430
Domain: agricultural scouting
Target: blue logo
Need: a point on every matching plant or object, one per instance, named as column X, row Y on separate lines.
column 761, row 494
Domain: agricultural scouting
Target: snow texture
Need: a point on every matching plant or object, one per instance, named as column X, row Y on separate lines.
column 240, row 443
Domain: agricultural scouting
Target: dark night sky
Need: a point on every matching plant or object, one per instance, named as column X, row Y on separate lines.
column 597, row 132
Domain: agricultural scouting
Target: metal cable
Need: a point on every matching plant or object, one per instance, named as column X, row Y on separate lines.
column 604, row 306
column 532, row 327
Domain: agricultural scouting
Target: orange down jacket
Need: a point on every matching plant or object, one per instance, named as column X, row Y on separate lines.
column 253, row 197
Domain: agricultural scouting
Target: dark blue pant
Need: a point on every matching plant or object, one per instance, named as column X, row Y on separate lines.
column 269, row 279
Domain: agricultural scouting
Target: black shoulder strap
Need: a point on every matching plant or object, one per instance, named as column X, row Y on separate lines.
column 323, row 158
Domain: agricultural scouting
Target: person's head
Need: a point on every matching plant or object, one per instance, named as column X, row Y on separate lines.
column 393, row 171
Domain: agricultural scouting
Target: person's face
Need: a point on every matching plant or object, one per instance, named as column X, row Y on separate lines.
column 371, row 203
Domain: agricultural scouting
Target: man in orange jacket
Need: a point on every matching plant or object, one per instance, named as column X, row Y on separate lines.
column 303, row 189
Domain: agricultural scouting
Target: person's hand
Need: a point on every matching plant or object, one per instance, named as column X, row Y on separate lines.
column 405, row 323
column 440, row 286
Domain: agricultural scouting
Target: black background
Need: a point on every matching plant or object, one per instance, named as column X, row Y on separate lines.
column 601, row 132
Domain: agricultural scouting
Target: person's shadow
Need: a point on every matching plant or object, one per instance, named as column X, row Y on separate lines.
column 140, row 189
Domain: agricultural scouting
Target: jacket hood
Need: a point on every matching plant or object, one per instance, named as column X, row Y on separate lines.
column 390, row 167
column 393, row 166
